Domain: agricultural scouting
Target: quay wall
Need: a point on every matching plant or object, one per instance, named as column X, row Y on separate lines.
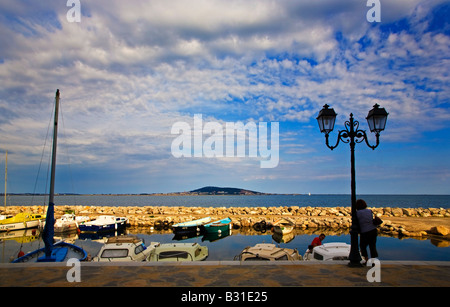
column 302, row 217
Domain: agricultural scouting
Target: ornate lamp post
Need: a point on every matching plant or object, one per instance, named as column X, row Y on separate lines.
column 352, row 134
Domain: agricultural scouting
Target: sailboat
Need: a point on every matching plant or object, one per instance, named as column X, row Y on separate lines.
column 23, row 220
column 59, row 251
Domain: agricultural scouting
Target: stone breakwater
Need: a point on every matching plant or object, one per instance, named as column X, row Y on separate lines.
column 336, row 218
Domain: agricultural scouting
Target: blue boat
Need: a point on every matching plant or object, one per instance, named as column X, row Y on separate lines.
column 104, row 223
column 219, row 226
column 191, row 226
column 60, row 251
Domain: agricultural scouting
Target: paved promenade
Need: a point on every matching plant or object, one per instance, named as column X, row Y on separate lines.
column 226, row 274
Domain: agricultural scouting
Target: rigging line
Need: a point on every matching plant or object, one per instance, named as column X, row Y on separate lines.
column 67, row 149
column 42, row 157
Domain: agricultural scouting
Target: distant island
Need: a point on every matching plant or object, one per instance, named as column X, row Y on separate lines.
column 210, row 190
column 224, row 191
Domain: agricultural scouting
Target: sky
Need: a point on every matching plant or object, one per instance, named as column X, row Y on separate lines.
column 130, row 71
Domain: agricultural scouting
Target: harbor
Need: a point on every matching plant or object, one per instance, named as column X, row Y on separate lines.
column 405, row 266
column 396, row 235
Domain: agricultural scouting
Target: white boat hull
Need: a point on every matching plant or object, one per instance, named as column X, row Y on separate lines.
column 21, row 225
column 328, row 251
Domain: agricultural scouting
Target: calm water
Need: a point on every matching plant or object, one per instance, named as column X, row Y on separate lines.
column 225, row 248
column 402, row 201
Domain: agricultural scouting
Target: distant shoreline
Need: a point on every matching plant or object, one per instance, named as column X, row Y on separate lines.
column 201, row 194
column 242, row 200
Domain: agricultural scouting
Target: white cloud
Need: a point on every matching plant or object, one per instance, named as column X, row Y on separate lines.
column 130, row 69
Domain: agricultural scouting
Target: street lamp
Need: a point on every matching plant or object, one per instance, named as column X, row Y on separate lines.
column 376, row 120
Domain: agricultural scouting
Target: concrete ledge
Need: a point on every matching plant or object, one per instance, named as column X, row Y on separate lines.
column 215, row 263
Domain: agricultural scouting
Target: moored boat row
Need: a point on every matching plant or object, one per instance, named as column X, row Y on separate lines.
column 131, row 248
column 201, row 226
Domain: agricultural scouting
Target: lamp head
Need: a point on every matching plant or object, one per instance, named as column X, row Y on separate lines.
column 326, row 119
column 376, row 119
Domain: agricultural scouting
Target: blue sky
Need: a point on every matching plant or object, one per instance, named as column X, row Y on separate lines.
column 130, row 70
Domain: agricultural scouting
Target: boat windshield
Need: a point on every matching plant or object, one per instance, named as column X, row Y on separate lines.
column 174, row 254
column 114, row 253
column 139, row 249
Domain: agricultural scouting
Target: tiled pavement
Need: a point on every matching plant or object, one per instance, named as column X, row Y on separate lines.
column 226, row 274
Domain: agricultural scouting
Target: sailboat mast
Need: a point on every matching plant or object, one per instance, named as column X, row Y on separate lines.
column 6, row 175
column 55, row 134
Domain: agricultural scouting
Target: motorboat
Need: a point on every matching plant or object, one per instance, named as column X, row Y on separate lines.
column 104, row 223
column 23, row 220
column 69, row 222
column 172, row 252
column 268, row 252
column 219, row 226
column 328, row 251
column 124, row 248
column 191, row 226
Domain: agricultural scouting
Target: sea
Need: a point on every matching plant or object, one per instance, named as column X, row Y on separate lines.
column 303, row 200
column 228, row 246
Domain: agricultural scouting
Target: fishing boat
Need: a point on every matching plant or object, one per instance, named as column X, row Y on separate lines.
column 328, row 251
column 69, row 223
column 283, row 226
column 173, row 252
column 219, row 226
column 104, row 223
column 124, row 248
column 23, row 220
column 191, row 226
column 60, row 251
column 268, row 252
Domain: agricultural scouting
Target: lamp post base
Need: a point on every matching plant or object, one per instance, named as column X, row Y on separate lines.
column 355, row 256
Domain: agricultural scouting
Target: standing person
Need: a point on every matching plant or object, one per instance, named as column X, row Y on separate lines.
column 368, row 231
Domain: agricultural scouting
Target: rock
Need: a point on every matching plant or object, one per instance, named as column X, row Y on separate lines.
column 397, row 212
column 439, row 230
column 404, row 232
column 408, row 212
